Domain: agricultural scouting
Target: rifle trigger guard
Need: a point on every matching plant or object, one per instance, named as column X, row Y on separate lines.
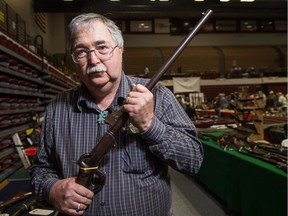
column 81, row 160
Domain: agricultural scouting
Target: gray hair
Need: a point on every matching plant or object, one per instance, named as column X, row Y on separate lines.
column 87, row 20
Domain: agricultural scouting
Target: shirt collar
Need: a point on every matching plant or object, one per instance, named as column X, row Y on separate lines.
column 124, row 89
column 85, row 99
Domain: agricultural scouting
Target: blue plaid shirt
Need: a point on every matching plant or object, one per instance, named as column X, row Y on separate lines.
column 137, row 179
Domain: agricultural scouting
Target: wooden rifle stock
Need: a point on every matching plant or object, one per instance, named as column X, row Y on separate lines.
column 89, row 175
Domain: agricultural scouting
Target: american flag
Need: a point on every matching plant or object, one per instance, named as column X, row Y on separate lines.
column 40, row 20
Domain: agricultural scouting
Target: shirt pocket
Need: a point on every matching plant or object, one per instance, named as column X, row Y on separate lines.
column 135, row 154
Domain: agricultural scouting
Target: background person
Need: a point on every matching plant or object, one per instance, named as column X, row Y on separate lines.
column 220, row 103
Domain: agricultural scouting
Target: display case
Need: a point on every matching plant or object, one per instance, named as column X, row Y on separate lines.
column 27, row 84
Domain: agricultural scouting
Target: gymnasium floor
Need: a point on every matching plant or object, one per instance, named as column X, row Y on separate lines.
column 191, row 199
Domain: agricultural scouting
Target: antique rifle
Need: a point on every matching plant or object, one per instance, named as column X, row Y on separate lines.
column 239, row 141
column 26, row 206
column 89, row 174
column 13, row 200
column 278, row 162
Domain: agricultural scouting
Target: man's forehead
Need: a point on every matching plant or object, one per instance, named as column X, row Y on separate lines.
column 94, row 36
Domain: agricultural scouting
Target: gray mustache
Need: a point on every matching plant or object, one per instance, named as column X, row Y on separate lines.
column 96, row 69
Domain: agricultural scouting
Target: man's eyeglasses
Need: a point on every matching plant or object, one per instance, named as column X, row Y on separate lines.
column 103, row 52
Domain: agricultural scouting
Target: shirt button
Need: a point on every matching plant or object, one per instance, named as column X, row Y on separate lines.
column 102, row 203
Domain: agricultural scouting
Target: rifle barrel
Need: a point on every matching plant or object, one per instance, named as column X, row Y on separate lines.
column 14, row 199
column 29, row 205
column 179, row 49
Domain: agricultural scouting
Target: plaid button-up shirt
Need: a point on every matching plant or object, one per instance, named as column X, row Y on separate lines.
column 137, row 179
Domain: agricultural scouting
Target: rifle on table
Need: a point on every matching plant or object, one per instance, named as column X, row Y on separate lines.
column 226, row 140
column 26, row 206
column 89, row 174
column 277, row 149
column 268, row 157
column 243, row 147
column 239, row 141
column 13, row 200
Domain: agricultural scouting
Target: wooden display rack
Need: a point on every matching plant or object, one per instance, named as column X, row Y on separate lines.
column 249, row 113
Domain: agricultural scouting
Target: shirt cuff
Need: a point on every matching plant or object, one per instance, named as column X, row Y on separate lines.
column 155, row 133
column 47, row 188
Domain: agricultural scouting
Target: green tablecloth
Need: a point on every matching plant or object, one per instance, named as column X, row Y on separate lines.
column 247, row 185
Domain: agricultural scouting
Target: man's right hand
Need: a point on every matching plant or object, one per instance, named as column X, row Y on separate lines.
column 69, row 197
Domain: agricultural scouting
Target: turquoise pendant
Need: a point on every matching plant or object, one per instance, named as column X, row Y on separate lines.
column 102, row 116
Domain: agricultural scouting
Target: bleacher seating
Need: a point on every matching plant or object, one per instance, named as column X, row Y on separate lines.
column 209, row 62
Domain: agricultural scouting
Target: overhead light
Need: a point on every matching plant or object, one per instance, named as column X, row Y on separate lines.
column 224, row 0
column 163, row 0
column 198, row 0
column 247, row 0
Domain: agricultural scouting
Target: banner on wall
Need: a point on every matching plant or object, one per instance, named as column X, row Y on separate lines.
column 186, row 84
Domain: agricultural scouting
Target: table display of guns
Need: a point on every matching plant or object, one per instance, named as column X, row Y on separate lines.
column 25, row 203
column 89, row 174
column 271, row 153
column 13, row 200
column 24, row 207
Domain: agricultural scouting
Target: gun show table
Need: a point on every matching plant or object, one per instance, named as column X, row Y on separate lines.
column 16, row 197
column 247, row 185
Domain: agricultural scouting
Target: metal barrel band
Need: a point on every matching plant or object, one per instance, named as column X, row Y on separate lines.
column 89, row 168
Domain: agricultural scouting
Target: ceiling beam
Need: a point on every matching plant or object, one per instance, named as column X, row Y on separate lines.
column 170, row 9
